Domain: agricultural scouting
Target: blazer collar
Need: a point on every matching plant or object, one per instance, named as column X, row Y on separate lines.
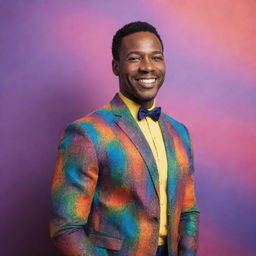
column 126, row 122
column 169, row 132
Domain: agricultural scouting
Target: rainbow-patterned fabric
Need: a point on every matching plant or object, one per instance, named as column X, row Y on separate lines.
column 105, row 190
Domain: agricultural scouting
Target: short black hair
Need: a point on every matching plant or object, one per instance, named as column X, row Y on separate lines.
column 130, row 28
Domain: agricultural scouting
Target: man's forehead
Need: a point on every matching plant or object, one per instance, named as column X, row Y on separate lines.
column 140, row 41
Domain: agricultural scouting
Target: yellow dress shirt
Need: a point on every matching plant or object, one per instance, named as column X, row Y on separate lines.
column 152, row 131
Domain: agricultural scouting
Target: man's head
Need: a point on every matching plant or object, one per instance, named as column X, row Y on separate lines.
column 129, row 29
column 138, row 61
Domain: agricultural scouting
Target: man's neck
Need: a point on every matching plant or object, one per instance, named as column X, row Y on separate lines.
column 148, row 104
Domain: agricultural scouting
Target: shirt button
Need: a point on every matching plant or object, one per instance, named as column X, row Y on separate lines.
column 156, row 219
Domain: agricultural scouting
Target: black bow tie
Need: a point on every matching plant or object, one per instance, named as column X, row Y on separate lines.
column 154, row 113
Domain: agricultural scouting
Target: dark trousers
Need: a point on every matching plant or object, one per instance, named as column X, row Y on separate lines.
column 162, row 250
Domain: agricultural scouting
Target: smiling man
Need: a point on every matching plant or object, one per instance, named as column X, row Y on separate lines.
column 123, row 183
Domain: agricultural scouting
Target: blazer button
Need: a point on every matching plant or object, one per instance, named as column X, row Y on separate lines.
column 156, row 219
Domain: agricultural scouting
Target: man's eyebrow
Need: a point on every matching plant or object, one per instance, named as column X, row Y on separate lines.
column 139, row 52
column 157, row 52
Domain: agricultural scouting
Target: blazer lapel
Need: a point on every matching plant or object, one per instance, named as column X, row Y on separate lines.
column 126, row 122
column 168, row 133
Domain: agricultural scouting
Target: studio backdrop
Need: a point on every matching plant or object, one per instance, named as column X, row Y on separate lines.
column 55, row 67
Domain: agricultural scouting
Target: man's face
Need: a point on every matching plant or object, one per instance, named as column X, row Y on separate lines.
column 141, row 67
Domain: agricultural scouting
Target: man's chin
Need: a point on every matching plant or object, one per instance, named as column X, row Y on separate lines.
column 145, row 99
column 148, row 96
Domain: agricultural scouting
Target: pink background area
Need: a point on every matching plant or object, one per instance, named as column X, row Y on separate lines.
column 55, row 66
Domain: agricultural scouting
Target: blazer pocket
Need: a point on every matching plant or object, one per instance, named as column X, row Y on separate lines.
column 107, row 242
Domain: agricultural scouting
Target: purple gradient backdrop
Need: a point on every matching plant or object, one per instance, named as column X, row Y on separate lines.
column 55, row 67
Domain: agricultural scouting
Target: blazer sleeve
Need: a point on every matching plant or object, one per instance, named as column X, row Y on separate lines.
column 189, row 220
column 72, row 191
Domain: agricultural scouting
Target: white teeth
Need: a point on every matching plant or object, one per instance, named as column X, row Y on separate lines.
column 148, row 81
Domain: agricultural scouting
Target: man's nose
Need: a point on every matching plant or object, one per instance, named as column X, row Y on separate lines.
column 146, row 65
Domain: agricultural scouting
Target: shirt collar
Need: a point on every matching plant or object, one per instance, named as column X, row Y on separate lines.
column 132, row 105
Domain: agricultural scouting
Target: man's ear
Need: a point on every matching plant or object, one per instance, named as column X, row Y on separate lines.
column 115, row 67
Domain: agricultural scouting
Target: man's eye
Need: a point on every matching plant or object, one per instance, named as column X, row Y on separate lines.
column 134, row 58
column 157, row 58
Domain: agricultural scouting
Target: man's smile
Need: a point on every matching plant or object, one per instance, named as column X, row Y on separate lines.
column 148, row 82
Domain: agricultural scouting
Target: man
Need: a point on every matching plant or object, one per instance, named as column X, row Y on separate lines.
column 123, row 183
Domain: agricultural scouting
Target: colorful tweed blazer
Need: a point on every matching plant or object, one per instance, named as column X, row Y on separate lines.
column 105, row 191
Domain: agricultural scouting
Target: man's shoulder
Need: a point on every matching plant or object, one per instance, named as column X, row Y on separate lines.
column 103, row 112
column 92, row 123
column 175, row 123
column 178, row 128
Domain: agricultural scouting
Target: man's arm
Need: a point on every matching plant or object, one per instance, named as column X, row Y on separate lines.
column 189, row 220
column 73, row 186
